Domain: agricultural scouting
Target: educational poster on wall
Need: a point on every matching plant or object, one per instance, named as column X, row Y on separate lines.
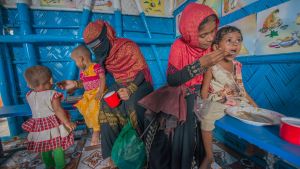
column 230, row 6
column 247, row 26
column 103, row 5
column 129, row 7
column 98, row 5
column 178, row 3
column 177, row 24
column 278, row 29
column 153, row 7
column 216, row 5
column 58, row 3
column 8, row 2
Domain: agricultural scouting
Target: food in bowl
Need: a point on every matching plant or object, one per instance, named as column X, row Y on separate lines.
column 253, row 117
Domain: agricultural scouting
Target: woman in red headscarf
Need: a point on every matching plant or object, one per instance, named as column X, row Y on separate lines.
column 123, row 59
column 177, row 143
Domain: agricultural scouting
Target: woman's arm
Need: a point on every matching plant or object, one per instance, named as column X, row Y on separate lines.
column 206, row 83
column 139, row 79
column 125, row 93
column 179, row 77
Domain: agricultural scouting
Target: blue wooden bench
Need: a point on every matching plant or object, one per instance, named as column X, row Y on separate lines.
column 266, row 138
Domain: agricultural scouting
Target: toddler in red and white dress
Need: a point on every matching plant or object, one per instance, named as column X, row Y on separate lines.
column 49, row 128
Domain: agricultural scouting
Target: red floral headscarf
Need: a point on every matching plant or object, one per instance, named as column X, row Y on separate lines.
column 125, row 59
column 94, row 29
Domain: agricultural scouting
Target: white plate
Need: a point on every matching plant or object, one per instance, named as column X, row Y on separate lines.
column 271, row 115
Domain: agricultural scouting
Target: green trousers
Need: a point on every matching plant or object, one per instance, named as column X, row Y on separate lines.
column 54, row 159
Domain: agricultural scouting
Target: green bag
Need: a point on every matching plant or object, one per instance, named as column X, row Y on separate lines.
column 128, row 151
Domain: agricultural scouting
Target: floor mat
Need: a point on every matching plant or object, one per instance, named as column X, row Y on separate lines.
column 17, row 157
column 91, row 157
column 83, row 156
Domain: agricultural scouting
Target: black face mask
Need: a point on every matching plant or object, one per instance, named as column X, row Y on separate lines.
column 101, row 47
column 102, row 51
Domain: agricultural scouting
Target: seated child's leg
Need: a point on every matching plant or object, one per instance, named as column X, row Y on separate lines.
column 207, row 142
column 47, row 159
column 95, row 138
column 59, row 158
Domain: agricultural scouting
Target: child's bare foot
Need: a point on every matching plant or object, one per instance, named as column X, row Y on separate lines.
column 206, row 163
column 111, row 164
column 95, row 138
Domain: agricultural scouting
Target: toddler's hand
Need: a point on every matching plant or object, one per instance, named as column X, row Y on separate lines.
column 67, row 84
column 99, row 95
column 70, row 125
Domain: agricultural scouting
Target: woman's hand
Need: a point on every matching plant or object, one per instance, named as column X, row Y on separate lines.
column 69, row 85
column 212, row 58
column 124, row 93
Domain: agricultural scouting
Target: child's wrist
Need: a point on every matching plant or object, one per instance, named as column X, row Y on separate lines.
column 77, row 84
column 67, row 123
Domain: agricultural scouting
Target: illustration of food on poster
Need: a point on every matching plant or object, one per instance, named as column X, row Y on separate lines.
column 153, row 7
column 103, row 5
column 177, row 24
column 177, row 3
column 278, row 29
column 230, row 6
column 8, row 2
column 58, row 3
column 216, row 5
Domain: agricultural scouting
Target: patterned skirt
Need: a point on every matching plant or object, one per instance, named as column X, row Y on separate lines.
column 47, row 134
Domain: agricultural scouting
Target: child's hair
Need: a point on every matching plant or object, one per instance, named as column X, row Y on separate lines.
column 83, row 51
column 211, row 18
column 37, row 75
column 225, row 30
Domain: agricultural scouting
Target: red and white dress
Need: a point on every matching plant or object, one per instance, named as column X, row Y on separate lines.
column 46, row 132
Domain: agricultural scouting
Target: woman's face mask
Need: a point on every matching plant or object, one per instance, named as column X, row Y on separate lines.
column 102, row 51
column 100, row 47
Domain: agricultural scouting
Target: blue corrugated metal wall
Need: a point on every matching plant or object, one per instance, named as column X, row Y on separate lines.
column 57, row 55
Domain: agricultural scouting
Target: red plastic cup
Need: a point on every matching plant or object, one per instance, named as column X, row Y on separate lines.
column 290, row 130
column 112, row 99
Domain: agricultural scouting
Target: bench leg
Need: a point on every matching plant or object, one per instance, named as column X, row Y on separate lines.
column 271, row 160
